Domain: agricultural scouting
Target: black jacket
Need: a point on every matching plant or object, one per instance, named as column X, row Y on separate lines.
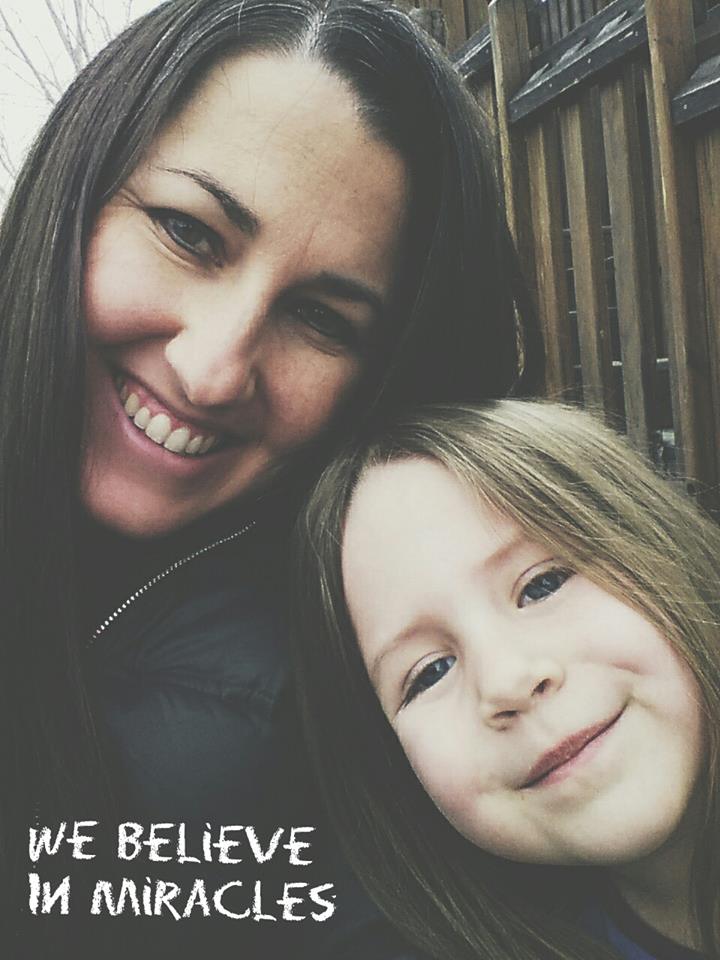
column 191, row 690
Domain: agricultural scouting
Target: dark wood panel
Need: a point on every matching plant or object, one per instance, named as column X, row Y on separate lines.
column 700, row 96
column 631, row 259
column 609, row 37
column 583, row 177
column 672, row 53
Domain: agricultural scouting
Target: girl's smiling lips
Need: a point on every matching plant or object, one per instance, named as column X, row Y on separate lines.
column 557, row 762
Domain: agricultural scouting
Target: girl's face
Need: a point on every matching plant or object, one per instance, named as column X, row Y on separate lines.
column 232, row 288
column 548, row 721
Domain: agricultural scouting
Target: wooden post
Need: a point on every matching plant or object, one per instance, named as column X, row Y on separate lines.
column 583, row 176
column 476, row 15
column 454, row 14
column 708, row 165
column 631, row 254
column 543, row 150
column 511, row 64
column 672, row 59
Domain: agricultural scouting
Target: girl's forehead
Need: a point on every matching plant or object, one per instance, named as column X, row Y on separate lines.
column 417, row 507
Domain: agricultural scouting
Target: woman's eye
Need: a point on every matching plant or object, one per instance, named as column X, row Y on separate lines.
column 429, row 676
column 543, row 585
column 328, row 323
column 189, row 233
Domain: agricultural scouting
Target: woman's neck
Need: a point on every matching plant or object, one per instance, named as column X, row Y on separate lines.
column 657, row 887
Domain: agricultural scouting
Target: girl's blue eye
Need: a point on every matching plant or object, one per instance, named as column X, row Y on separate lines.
column 429, row 676
column 189, row 233
column 543, row 585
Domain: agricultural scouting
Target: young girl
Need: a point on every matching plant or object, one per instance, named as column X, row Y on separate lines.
column 511, row 598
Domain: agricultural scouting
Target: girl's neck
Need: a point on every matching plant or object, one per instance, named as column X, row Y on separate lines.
column 657, row 888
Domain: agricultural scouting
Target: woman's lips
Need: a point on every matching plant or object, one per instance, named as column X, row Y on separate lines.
column 555, row 763
column 149, row 451
column 162, row 423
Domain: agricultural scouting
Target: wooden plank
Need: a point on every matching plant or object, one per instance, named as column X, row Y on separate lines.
column 583, row 176
column 708, row 167
column 609, row 37
column 545, row 35
column 555, row 23
column 511, row 62
column 700, row 96
column 476, row 15
column 672, row 51
column 707, row 35
column 473, row 58
column 454, row 14
column 431, row 18
column 565, row 24
column 578, row 14
column 543, row 148
column 631, row 255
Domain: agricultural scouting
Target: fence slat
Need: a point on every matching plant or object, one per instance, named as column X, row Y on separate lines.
column 454, row 13
column 577, row 13
column 555, row 23
column 708, row 164
column 583, row 174
column 476, row 15
column 543, row 149
column 565, row 22
column 511, row 65
column 630, row 253
column 672, row 53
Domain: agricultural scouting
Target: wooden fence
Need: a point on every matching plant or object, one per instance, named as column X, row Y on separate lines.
column 608, row 145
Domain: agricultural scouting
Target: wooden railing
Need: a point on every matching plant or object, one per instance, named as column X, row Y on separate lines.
column 608, row 146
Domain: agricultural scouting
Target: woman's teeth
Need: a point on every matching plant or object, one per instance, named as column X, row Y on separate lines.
column 159, row 428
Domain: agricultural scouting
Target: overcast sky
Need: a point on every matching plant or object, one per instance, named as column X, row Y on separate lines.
column 23, row 106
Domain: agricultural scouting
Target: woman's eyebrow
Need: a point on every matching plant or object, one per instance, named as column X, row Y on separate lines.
column 235, row 210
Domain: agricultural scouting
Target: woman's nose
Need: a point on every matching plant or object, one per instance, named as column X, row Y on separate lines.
column 216, row 357
column 515, row 683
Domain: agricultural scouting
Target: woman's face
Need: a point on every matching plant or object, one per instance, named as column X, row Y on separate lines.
column 232, row 289
column 548, row 721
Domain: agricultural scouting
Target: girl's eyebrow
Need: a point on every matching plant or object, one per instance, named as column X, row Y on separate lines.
column 500, row 556
column 399, row 639
column 234, row 209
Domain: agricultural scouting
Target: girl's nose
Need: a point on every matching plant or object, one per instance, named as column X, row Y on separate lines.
column 217, row 358
column 514, row 684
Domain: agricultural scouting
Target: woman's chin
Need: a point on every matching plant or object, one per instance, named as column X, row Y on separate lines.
column 139, row 516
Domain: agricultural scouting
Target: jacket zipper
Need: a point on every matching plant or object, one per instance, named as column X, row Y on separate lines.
column 136, row 596
column 161, row 576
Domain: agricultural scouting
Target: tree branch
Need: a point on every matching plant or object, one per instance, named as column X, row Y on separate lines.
column 22, row 54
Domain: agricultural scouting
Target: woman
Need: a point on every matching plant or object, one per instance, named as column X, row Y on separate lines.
column 245, row 226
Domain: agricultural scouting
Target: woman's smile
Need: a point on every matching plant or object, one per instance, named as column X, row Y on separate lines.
column 152, row 429
column 233, row 289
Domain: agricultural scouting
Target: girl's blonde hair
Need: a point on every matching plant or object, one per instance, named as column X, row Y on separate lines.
column 577, row 487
